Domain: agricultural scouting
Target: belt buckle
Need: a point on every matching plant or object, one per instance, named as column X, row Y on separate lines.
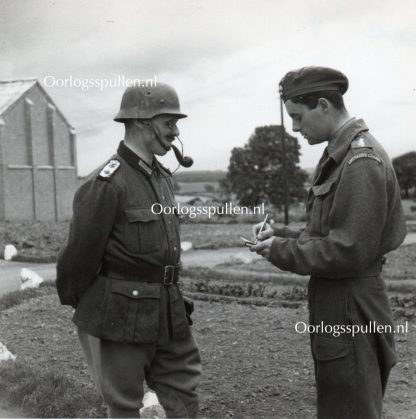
column 169, row 278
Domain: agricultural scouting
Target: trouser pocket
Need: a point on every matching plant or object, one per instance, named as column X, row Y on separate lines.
column 334, row 373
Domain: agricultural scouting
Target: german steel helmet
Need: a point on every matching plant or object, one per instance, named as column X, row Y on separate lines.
column 145, row 102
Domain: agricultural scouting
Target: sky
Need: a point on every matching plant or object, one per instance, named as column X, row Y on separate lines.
column 224, row 58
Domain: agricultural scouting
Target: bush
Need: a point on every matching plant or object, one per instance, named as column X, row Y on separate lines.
column 296, row 294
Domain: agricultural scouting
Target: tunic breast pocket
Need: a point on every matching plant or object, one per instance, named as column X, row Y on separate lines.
column 143, row 230
column 323, row 196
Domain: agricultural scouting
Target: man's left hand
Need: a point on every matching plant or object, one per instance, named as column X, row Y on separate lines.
column 263, row 248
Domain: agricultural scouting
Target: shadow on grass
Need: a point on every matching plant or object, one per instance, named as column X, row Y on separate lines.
column 48, row 393
column 18, row 297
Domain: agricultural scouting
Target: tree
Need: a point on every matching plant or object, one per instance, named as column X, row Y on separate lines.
column 405, row 167
column 256, row 171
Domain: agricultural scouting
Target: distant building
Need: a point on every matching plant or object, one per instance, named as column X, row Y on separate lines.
column 38, row 169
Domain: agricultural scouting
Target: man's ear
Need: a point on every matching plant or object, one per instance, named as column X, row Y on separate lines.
column 142, row 124
column 323, row 104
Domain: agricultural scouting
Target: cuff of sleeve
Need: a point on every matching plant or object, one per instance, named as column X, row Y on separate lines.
column 277, row 253
column 285, row 232
column 279, row 232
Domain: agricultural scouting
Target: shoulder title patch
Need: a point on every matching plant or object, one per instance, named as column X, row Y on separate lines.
column 109, row 169
column 364, row 156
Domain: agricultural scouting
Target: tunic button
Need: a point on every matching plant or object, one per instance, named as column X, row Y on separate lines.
column 174, row 248
column 135, row 293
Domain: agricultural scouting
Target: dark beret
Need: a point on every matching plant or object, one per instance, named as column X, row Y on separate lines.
column 310, row 80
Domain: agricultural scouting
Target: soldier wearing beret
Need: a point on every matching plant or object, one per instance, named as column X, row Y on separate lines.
column 119, row 267
column 354, row 217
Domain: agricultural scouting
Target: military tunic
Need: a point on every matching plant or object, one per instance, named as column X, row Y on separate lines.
column 114, row 225
column 354, row 217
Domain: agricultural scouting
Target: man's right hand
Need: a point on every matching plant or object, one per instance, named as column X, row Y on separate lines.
column 265, row 234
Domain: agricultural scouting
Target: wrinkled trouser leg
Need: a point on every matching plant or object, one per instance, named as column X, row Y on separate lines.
column 119, row 370
column 351, row 372
column 174, row 375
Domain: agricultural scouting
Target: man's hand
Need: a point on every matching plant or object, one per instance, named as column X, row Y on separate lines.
column 262, row 248
column 265, row 234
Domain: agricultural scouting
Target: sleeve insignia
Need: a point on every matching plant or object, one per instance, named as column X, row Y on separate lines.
column 364, row 156
column 360, row 143
column 109, row 169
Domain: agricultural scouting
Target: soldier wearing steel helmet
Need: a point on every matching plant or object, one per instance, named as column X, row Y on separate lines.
column 354, row 217
column 119, row 267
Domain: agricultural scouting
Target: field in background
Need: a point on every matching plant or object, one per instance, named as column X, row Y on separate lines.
column 41, row 241
column 188, row 176
column 197, row 188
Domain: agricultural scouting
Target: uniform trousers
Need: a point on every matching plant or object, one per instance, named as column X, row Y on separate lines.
column 172, row 370
column 351, row 372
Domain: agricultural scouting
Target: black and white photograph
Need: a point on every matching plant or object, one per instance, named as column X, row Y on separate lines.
column 208, row 209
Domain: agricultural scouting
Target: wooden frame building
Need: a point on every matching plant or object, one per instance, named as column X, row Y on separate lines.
column 38, row 164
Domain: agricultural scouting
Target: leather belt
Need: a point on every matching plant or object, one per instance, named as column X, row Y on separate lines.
column 167, row 275
column 373, row 269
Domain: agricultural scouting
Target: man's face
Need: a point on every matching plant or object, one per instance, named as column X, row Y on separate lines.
column 165, row 129
column 311, row 123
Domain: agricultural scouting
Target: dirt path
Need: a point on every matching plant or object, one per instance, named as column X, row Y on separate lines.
column 10, row 271
column 210, row 257
column 410, row 238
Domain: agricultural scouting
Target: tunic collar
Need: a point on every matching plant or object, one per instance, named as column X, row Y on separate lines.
column 138, row 163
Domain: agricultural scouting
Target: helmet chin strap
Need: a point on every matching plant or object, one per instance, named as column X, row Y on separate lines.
column 184, row 161
column 158, row 137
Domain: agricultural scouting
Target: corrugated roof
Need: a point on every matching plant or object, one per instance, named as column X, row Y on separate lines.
column 10, row 91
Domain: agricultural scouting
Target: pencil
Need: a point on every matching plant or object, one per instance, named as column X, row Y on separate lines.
column 263, row 224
